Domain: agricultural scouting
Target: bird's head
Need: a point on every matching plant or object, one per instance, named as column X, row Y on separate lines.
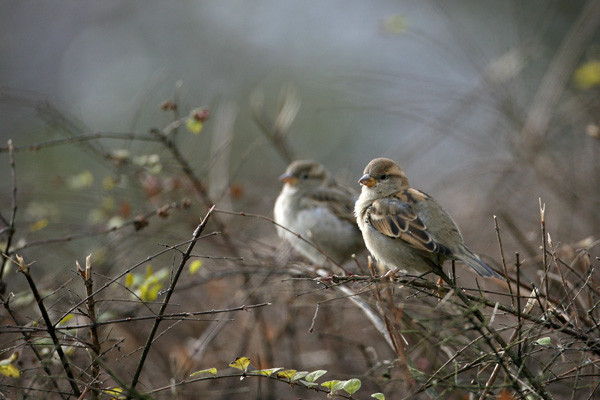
column 305, row 173
column 384, row 176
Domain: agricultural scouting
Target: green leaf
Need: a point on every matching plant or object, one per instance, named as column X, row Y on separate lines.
column 240, row 363
column 545, row 341
column 313, row 376
column 378, row 396
column 212, row 371
column 298, row 375
column 266, row 372
column 351, row 386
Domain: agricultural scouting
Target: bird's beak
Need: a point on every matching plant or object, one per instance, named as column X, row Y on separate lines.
column 288, row 178
column 367, row 180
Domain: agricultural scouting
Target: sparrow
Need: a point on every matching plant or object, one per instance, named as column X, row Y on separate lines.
column 313, row 205
column 404, row 228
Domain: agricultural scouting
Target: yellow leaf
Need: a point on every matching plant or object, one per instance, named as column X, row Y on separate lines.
column 153, row 290
column 115, row 393
column 148, row 271
column 287, row 374
column 10, row 371
column 144, row 292
column 587, row 75
column 240, row 363
column 39, row 225
column 193, row 125
column 14, row 356
column 129, row 279
column 66, row 318
column 212, row 371
column 195, row 266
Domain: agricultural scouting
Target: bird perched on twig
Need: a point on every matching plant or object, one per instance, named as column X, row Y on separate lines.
column 313, row 205
column 406, row 229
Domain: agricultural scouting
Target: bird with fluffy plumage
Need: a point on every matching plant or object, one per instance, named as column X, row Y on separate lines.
column 313, row 205
column 404, row 228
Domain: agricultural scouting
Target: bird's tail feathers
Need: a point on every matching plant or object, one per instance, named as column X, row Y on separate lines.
column 473, row 261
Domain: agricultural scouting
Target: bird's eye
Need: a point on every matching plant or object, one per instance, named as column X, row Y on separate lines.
column 382, row 177
column 304, row 176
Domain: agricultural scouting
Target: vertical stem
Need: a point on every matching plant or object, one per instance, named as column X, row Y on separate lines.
column 91, row 309
column 544, row 250
column 519, row 321
column 23, row 268
column 163, row 307
column 497, row 228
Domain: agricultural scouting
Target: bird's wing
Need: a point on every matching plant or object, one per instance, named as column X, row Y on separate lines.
column 395, row 216
column 340, row 203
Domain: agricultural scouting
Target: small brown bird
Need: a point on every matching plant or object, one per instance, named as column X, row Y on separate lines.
column 314, row 206
column 406, row 229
